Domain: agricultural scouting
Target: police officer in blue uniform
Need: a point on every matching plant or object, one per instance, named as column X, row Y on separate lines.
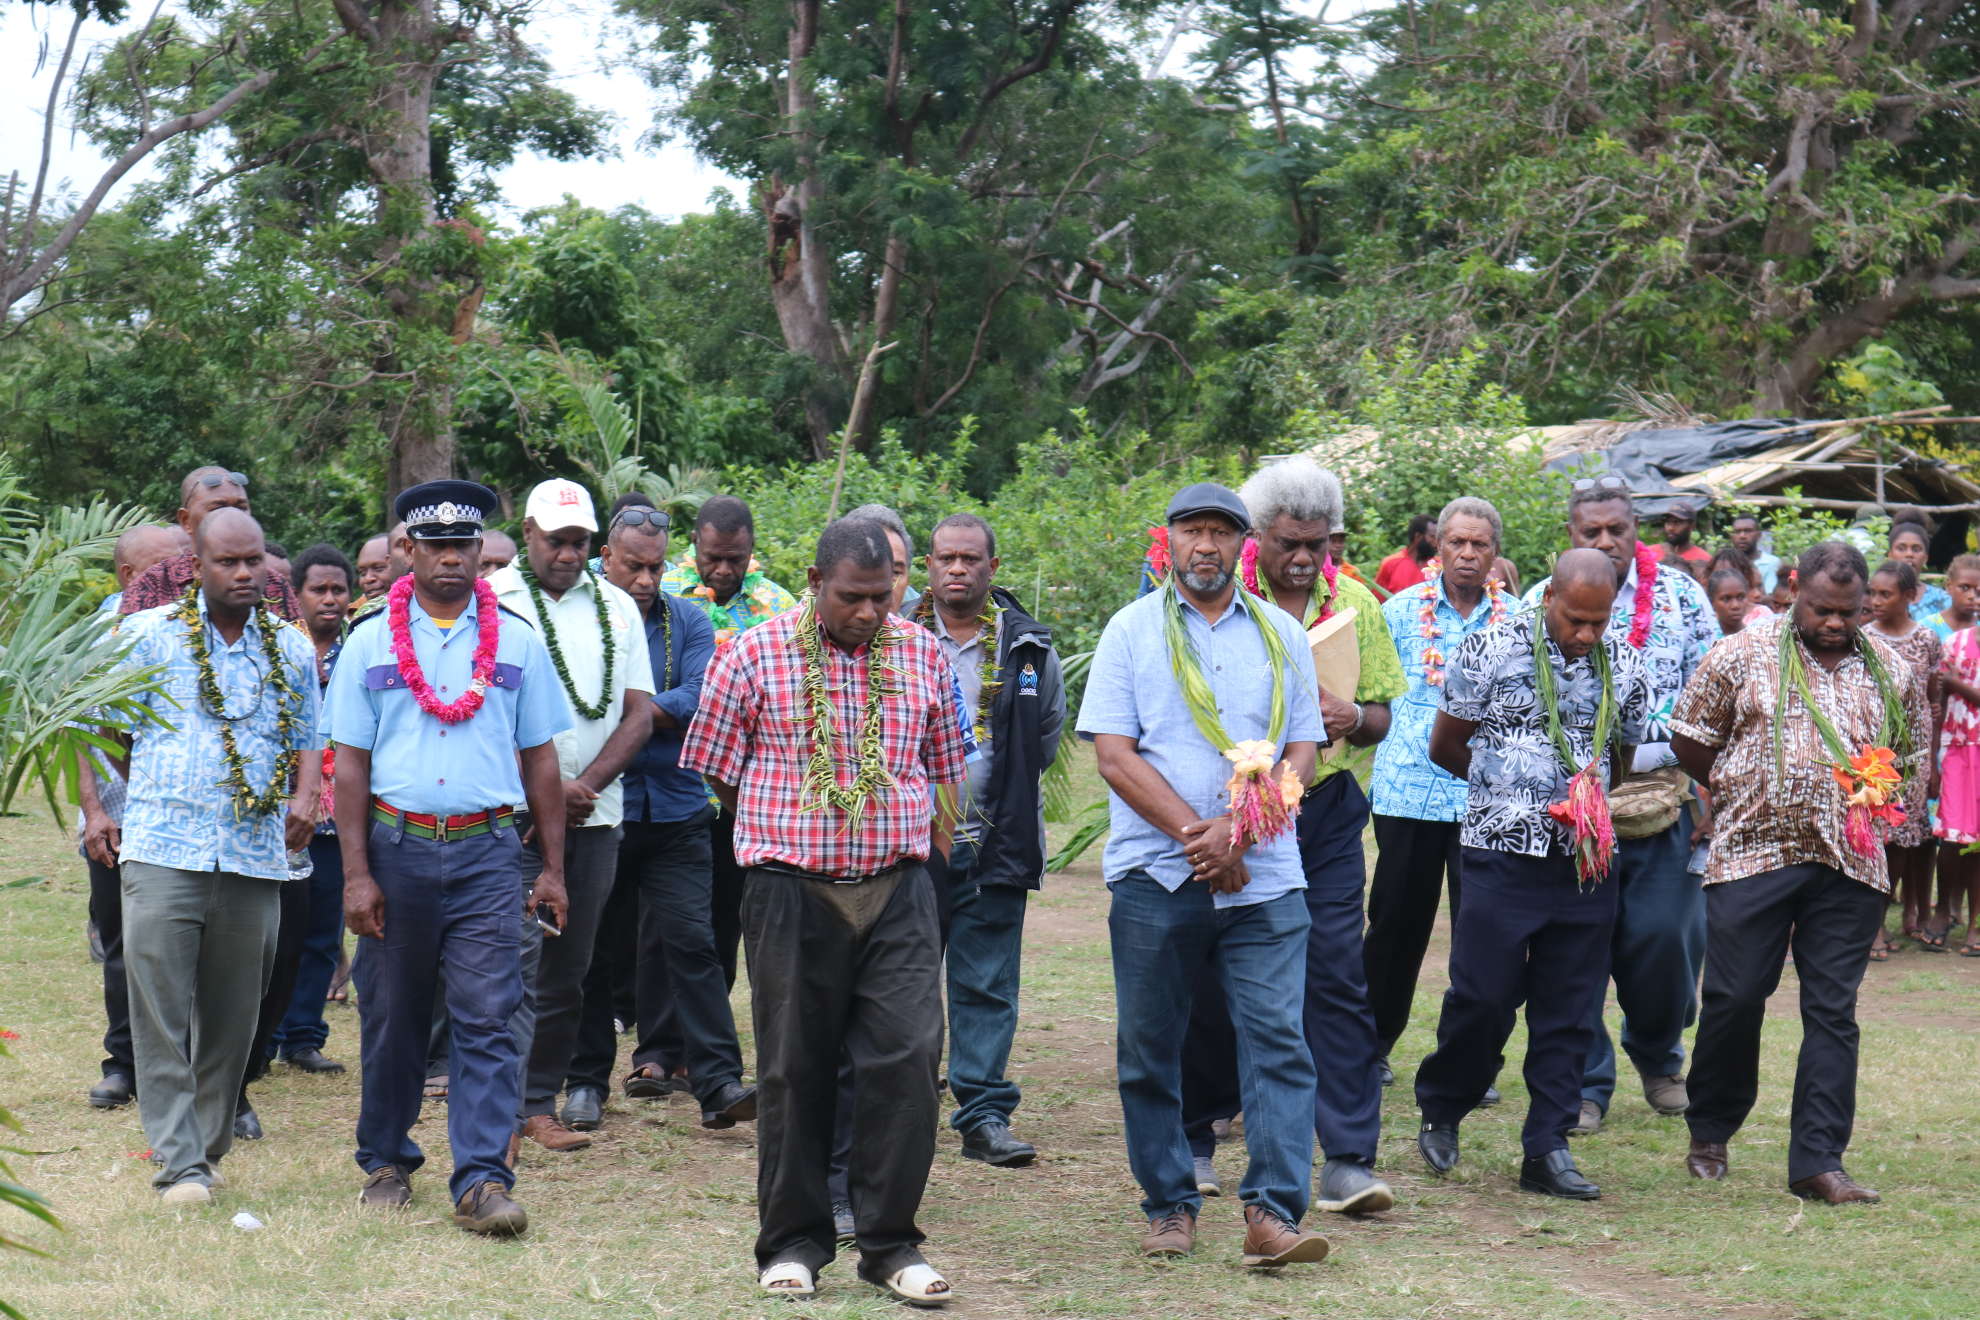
column 427, row 783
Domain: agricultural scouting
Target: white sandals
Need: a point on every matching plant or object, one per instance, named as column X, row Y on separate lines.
column 919, row 1285
column 788, row 1278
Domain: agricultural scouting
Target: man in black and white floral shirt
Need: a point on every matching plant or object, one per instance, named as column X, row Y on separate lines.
column 1661, row 613
column 1532, row 929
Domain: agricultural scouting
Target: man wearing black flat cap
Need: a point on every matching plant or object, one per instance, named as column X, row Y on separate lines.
column 429, row 705
column 1188, row 673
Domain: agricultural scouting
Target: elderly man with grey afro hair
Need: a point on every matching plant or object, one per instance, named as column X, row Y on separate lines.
column 1296, row 506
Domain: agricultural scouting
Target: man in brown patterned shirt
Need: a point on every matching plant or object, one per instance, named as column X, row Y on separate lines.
column 167, row 581
column 1782, row 867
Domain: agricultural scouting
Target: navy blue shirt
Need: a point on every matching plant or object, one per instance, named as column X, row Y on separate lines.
column 680, row 641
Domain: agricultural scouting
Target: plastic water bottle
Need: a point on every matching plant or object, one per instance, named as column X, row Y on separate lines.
column 300, row 866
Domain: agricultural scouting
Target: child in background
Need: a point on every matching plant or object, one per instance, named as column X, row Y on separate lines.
column 1908, row 546
column 1959, row 774
column 1893, row 590
column 1782, row 598
column 1963, row 596
column 1731, row 594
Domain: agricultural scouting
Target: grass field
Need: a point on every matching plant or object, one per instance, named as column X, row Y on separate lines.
column 657, row 1217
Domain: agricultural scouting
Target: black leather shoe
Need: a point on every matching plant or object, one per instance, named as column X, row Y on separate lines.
column 1438, row 1143
column 1388, row 1073
column 993, row 1143
column 314, row 1061
column 733, row 1104
column 1554, row 1174
column 1490, row 1098
column 843, row 1227
column 584, row 1109
column 113, row 1092
column 247, row 1125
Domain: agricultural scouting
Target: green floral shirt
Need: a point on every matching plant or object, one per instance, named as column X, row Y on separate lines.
column 1381, row 678
column 756, row 600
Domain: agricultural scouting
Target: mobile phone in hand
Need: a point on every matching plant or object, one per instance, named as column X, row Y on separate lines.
column 546, row 921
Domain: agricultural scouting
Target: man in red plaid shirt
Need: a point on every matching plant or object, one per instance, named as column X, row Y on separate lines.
column 838, row 915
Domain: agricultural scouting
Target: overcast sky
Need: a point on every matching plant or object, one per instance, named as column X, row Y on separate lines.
column 575, row 36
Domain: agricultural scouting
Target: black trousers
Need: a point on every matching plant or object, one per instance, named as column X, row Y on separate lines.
column 289, row 939
column 614, row 956
column 682, row 992
column 1412, row 860
column 106, row 909
column 726, row 897
column 552, row 999
column 1530, row 935
column 843, row 971
column 1749, row 923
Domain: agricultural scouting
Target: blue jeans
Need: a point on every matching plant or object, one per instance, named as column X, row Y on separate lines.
column 986, row 939
column 1340, row 1030
column 1259, row 950
column 451, row 923
column 1659, row 947
column 304, row 1027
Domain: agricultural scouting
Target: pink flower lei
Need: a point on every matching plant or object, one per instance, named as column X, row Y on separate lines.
column 1646, row 581
column 1427, row 629
column 1248, row 574
column 488, row 628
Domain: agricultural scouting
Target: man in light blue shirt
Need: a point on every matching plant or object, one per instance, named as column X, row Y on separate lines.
column 1417, row 806
column 428, row 776
column 1183, row 896
column 209, row 818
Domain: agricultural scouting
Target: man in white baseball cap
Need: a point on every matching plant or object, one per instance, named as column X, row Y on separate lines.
column 597, row 644
column 556, row 505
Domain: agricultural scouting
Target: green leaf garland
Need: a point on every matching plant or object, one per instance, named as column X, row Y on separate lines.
column 1605, row 714
column 1197, row 694
column 821, row 776
column 586, row 709
column 288, row 702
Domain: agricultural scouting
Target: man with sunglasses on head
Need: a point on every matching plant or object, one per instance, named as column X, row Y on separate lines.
column 167, row 582
column 1661, row 613
column 658, row 927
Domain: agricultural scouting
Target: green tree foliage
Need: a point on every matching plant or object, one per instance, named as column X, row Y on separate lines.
column 1420, row 434
column 1715, row 201
column 999, row 191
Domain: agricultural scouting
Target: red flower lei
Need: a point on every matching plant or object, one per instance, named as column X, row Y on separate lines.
column 1427, row 629
column 1248, row 574
column 488, row 626
column 1158, row 552
column 1646, row 581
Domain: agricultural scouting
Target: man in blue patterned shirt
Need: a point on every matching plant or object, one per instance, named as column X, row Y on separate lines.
column 1660, row 927
column 1535, row 930
column 208, row 825
column 1417, row 805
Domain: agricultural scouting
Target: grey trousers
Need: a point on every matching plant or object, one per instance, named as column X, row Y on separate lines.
column 199, row 947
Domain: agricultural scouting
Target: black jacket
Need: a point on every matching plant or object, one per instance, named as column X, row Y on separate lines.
column 1025, row 722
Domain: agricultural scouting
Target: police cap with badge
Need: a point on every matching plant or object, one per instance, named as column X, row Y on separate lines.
column 445, row 510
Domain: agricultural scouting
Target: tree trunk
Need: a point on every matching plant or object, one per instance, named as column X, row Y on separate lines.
column 800, row 265
column 408, row 41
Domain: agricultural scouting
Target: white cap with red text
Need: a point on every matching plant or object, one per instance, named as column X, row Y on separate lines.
column 557, row 504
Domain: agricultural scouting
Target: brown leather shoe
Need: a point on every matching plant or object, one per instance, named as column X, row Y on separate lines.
column 1833, row 1188
column 549, row 1132
column 1707, row 1160
column 1666, row 1094
column 1270, row 1241
column 489, row 1209
column 515, row 1148
column 1174, row 1234
column 387, row 1188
